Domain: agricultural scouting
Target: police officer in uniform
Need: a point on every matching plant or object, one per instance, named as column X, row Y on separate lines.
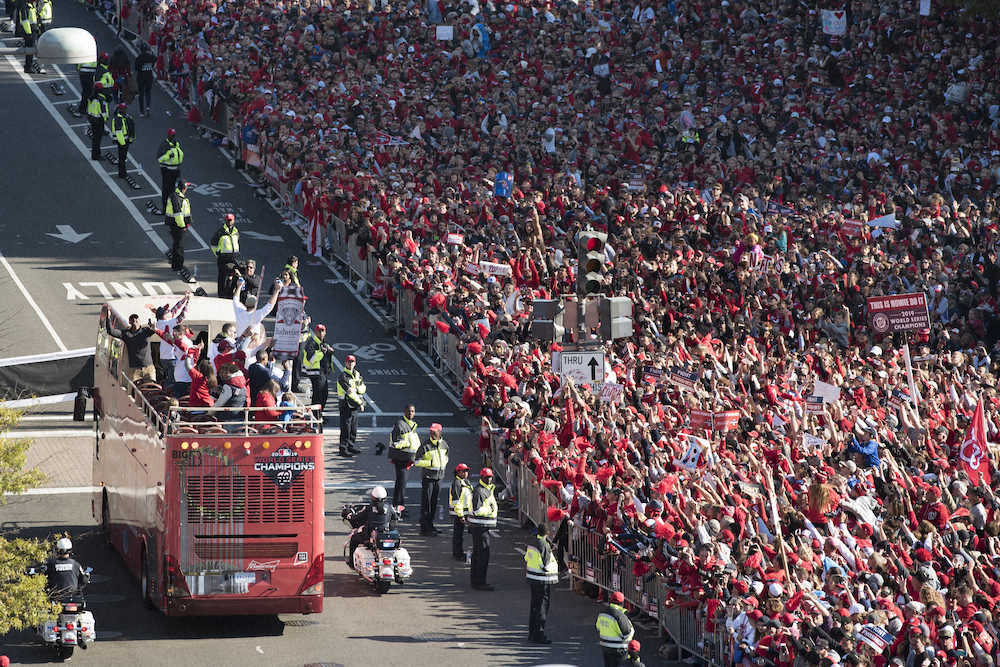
column 615, row 631
column 86, row 73
column 26, row 27
column 226, row 246
column 541, row 570
column 403, row 445
column 178, row 218
column 350, row 390
column 459, row 499
column 633, row 659
column 63, row 573
column 432, row 457
column 44, row 16
column 170, row 156
column 123, row 133
column 316, row 362
column 378, row 514
column 103, row 73
column 482, row 517
column 145, row 63
column 292, row 266
column 97, row 113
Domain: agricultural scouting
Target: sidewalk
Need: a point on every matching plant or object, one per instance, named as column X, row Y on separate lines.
column 61, row 448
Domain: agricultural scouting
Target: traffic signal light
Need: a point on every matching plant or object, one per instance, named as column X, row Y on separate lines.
column 547, row 319
column 615, row 314
column 592, row 268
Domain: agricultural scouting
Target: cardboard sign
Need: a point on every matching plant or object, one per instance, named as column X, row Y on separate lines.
column 876, row 636
column 701, row 419
column 471, row 268
column 925, row 7
column 683, row 379
column 288, row 314
column 692, row 457
column 897, row 398
column 834, row 21
column 455, row 239
column 852, row 228
column 814, row 405
column 445, row 33
column 812, row 443
column 726, row 421
column 898, row 312
column 828, row 392
column 651, row 374
column 495, row 269
column 612, row 392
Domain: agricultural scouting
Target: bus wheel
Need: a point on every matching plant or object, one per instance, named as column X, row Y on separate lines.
column 105, row 518
column 382, row 586
column 147, row 599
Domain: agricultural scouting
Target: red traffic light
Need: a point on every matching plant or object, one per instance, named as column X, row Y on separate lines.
column 594, row 243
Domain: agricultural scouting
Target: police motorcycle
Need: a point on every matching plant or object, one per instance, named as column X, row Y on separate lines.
column 74, row 625
column 377, row 557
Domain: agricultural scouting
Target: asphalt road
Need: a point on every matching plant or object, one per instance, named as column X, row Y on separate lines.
column 435, row 618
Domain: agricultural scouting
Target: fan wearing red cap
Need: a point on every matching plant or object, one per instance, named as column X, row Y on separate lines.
column 432, row 459
column 123, row 134
column 459, row 499
column 633, row 659
column 170, row 156
column 614, row 630
column 482, row 517
column 225, row 245
column 350, row 392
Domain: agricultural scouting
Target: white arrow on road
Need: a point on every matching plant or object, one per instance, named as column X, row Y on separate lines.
column 263, row 237
column 67, row 233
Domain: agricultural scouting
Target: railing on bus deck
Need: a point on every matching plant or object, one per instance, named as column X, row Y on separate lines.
column 236, row 421
column 138, row 396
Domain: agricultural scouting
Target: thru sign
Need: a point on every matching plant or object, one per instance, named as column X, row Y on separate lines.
column 583, row 367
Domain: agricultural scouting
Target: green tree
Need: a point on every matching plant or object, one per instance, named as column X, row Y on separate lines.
column 23, row 601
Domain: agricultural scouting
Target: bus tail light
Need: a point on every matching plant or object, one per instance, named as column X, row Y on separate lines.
column 176, row 582
column 313, row 584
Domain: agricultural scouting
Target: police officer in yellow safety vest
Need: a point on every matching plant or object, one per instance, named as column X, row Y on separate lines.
column 103, row 74
column 97, row 114
column 541, row 570
column 123, row 133
column 86, row 73
column 482, row 517
column 292, row 266
column 317, row 358
column 178, row 219
column 615, row 631
column 26, row 27
column 44, row 16
column 226, row 246
column 170, row 156
column 403, row 445
column 432, row 458
column 351, row 392
column 459, row 500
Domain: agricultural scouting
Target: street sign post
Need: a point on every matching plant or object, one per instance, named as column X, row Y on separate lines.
column 585, row 367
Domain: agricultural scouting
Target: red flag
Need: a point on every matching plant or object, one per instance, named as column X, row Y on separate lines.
column 974, row 452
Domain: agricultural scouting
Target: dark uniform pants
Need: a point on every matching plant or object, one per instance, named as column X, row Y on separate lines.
column 320, row 391
column 399, row 491
column 86, row 90
column 177, row 247
column 168, row 183
column 29, row 56
column 457, row 537
column 348, row 425
column 541, row 594
column 96, row 134
column 122, row 160
column 480, row 554
column 613, row 657
column 429, row 490
column 145, row 91
column 221, row 261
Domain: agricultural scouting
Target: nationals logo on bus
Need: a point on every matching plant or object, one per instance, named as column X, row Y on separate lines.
column 284, row 466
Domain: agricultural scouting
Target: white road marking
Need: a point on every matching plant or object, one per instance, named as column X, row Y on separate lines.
column 85, row 151
column 46, row 418
column 40, row 400
column 155, row 194
column 51, row 433
column 51, row 356
column 259, row 650
column 27, row 296
column 57, row 491
column 74, row 125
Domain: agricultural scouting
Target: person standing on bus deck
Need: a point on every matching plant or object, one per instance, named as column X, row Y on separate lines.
column 123, row 134
column 144, row 64
column 170, row 156
column 614, row 630
column 351, row 391
column 459, row 499
column 167, row 317
column 136, row 340
column 226, row 247
column 292, row 266
column 482, row 518
column 541, row 570
column 316, row 365
column 403, row 445
column 178, row 218
column 432, row 457
column 97, row 114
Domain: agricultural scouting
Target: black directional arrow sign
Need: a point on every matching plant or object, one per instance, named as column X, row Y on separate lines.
column 584, row 367
column 593, row 368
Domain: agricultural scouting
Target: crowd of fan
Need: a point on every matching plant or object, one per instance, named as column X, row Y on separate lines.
column 734, row 152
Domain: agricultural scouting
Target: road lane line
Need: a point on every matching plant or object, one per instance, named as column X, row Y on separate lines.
column 155, row 194
column 75, row 125
column 138, row 166
column 56, row 491
column 95, row 164
column 50, row 433
column 31, row 301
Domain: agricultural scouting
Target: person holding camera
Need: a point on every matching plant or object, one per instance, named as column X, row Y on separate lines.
column 226, row 247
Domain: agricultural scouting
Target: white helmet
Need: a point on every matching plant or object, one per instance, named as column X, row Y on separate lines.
column 378, row 493
column 64, row 545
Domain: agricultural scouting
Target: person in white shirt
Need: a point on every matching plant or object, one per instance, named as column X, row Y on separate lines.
column 253, row 318
column 167, row 317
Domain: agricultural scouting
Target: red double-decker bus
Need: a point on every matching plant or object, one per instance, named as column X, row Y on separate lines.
column 214, row 513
